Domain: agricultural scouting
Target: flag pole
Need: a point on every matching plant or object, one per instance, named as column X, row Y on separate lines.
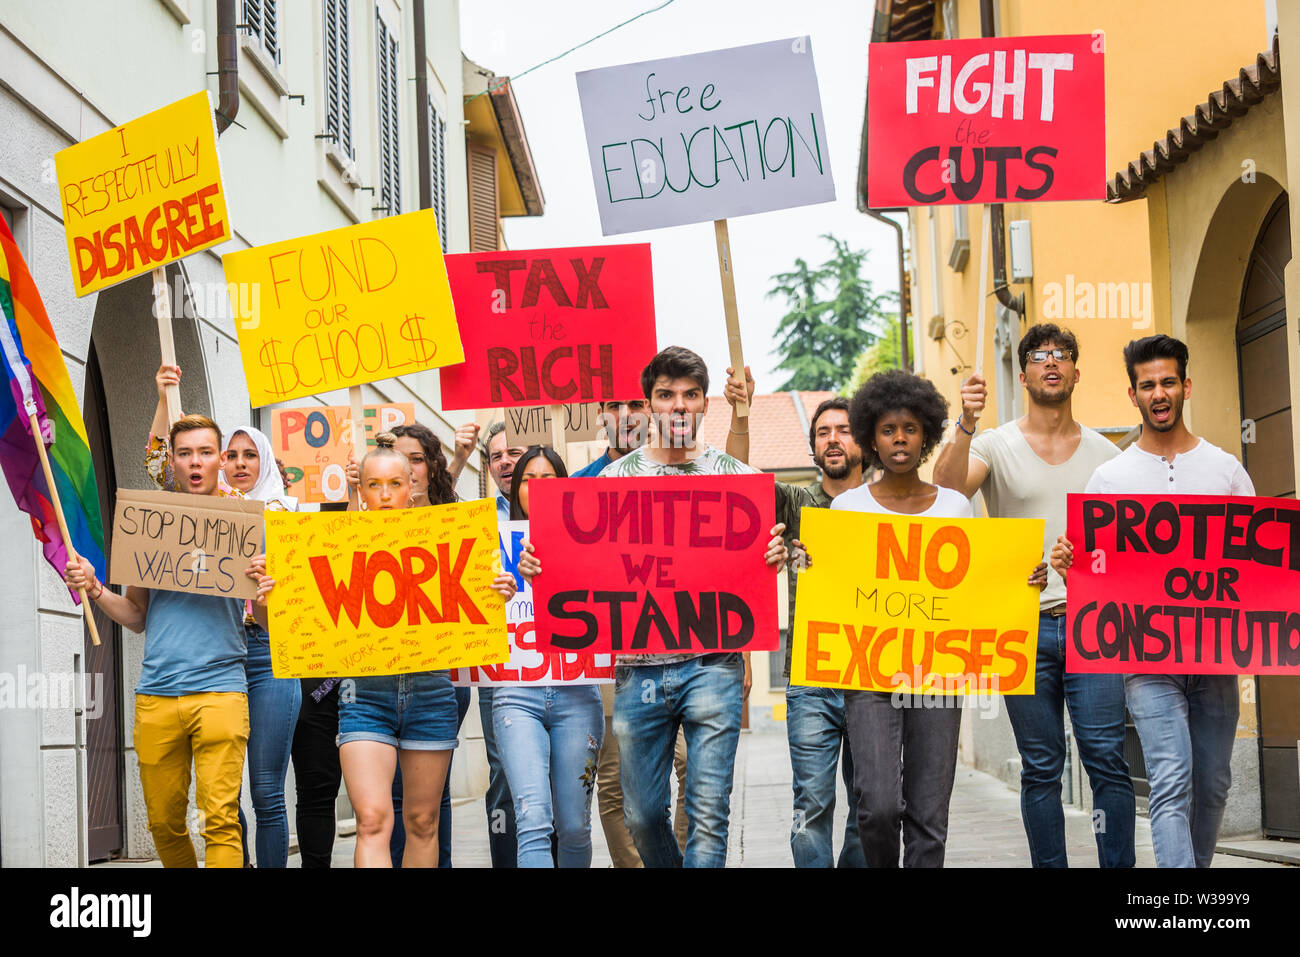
column 86, row 610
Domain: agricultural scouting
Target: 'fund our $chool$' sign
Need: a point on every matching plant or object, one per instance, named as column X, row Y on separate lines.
column 142, row 194
column 343, row 307
column 314, row 443
column 1183, row 584
column 912, row 604
column 707, row 136
column 986, row 121
column 550, row 326
column 655, row 565
column 171, row 541
column 384, row 593
column 528, row 665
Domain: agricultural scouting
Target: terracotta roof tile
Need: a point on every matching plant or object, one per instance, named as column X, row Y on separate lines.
column 778, row 436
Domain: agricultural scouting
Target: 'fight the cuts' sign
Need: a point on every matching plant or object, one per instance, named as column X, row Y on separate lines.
column 1006, row 119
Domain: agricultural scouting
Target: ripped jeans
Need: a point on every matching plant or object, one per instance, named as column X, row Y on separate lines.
column 549, row 740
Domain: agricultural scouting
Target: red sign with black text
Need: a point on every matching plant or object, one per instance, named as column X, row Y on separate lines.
column 550, row 326
column 1003, row 119
column 671, row 564
column 1183, row 584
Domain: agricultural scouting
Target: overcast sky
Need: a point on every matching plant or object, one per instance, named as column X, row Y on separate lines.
column 509, row 36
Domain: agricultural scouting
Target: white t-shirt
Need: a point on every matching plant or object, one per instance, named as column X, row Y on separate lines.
column 1205, row 470
column 947, row 504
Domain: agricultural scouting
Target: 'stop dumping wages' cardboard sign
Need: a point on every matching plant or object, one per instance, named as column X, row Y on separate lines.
column 707, row 136
column 142, row 194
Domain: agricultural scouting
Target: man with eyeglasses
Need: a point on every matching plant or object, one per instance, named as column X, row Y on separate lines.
column 1025, row 468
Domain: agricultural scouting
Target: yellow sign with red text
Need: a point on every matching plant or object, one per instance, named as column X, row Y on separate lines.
column 917, row 605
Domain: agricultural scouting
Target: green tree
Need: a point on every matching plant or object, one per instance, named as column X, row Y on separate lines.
column 834, row 314
column 884, row 353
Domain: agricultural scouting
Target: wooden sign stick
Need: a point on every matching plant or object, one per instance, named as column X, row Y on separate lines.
column 559, row 440
column 727, row 274
column 87, row 612
column 162, row 310
column 985, row 242
column 358, row 432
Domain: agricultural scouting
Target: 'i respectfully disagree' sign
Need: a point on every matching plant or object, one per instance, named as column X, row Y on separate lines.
column 342, row 308
column 384, row 593
column 655, row 565
column 992, row 120
column 550, row 326
column 142, row 194
column 707, row 136
column 917, row 605
column 172, row 541
column 528, row 665
column 314, row 443
column 1184, row 585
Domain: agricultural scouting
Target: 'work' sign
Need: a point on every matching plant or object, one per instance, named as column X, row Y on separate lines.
column 1005, row 119
column 550, row 326
column 1184, row 585
column 655, row 565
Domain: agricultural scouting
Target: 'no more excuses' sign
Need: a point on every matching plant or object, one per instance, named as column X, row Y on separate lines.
column 995, row 120
column 693, row 138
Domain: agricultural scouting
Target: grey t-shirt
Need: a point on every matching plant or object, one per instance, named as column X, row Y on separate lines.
column 1022, row 485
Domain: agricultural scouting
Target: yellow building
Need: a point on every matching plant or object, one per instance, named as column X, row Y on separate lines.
column 1195, row 243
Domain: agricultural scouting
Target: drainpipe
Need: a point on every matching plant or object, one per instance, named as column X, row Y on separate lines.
column 227, row 65
column 904, row 345
column 422, row 108
column 997, row 215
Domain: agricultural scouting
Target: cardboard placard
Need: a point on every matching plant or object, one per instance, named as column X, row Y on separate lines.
column 528, row 665
column 917, row 605
column 314, row 443
column 1183, row 584
column 655, row 565
column 172, row 541
column 531, row 425
column 693, row 138
column 384, row 593
column 142, row 194
column 549, row 326
column 342, row 308
column 1001, row 119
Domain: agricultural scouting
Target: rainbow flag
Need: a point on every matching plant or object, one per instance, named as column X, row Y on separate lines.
column 38, row 382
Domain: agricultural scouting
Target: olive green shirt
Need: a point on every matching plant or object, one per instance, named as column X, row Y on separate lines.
column 789, row 499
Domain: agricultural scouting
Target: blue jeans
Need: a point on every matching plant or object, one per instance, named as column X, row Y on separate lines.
column 815, row 725
column 1096, row 704
column 397, row 840
column 1187, row 724
column 549, row 741
column 272, row 715
column 703, row 696
column 502, row 841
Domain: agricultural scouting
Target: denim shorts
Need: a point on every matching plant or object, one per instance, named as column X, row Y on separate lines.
column 413, row 712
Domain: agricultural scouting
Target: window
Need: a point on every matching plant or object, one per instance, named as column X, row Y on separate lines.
column 338, row 76
column 390, row 178
column 438, row 170
column 260, row 17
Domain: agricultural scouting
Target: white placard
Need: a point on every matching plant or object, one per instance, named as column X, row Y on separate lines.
column 708, row 136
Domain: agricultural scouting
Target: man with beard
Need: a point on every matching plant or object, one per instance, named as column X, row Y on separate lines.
column 1025, row 468
column 814, row 719
column 1187, row 723
column 626, row 426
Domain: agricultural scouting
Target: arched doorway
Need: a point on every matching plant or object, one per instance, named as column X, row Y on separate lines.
column 1267, row 452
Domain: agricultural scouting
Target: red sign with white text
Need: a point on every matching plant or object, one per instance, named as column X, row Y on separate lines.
column 671, row 564
column 1184, row 585
column 1004, row 119
column 550, row 326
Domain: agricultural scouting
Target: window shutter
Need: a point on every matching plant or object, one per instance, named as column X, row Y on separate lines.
column 438, row 169
column 483, row 235
column 389, row 170
column 338, row 96
column 261, row 17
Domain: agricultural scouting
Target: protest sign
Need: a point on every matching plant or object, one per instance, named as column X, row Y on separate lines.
column 384, row 593
column 1183, row 584
column 314, row 443
column 343, row 307
column 528, row 665
column 917, row 605
column 532, row 425
column 171, row 541
column 549, row 326
column 992, row 120
column 142, row 194
column 693, row 138
column 653, row 565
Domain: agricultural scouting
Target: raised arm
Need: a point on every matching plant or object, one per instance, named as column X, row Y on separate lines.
column 956, row 468
column 466, row 439
column 156, row 451
column 738, row 434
